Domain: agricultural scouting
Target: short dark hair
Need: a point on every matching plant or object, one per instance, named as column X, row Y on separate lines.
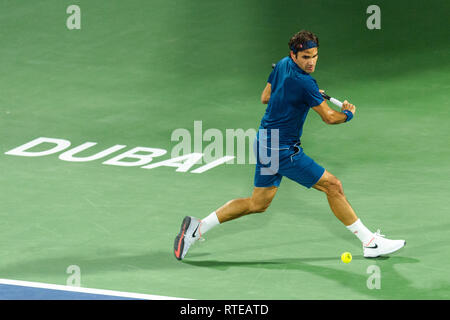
column 301, row 37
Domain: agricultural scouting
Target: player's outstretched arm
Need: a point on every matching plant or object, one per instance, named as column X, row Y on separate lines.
column 331, row 116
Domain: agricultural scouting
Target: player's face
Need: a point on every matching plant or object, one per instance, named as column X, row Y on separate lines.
column 307, row 59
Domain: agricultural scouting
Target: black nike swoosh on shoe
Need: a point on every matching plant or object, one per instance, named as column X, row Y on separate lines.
column 376, row 246
column 193, row 233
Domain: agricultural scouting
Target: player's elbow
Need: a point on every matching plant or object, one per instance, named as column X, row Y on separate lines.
column 265, row 100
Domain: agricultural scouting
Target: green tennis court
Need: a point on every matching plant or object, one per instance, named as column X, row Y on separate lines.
column 138, row 70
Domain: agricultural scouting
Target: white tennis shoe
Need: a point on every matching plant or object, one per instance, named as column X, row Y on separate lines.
column 189, row 233
column 380, row 246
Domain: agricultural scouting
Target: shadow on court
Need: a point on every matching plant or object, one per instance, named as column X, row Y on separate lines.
column 110, row 261
column 393, row 284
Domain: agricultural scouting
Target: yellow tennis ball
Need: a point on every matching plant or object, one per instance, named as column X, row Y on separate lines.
column 346, row 257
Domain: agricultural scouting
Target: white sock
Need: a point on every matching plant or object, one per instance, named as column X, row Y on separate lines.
column 208, row 223
column 360, row 230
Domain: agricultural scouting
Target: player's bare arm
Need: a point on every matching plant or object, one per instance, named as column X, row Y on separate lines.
column 331, row 116
column 265, row 96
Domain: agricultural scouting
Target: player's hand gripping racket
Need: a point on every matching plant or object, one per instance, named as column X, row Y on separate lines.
column 331, row 99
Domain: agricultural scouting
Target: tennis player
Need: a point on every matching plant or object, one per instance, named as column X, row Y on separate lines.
column 290, row 93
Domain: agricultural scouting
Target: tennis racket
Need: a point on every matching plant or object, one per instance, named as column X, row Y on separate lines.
column 325, row 96
column 332, row 100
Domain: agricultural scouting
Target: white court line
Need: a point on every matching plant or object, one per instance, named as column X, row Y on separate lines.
column 87, row 290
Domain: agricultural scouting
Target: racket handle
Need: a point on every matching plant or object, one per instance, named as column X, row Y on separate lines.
column 336, row 102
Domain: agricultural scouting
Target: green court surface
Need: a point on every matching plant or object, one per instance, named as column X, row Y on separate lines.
column 138, row 70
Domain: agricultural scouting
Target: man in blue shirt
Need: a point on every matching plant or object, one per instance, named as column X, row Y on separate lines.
column 290, row 93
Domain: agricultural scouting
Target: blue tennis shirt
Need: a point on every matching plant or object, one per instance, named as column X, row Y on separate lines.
column 293, row 93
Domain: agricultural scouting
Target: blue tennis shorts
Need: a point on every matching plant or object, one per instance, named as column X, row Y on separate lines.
column 289, row 161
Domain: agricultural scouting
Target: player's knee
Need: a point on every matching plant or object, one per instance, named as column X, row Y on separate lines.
column 259, row 207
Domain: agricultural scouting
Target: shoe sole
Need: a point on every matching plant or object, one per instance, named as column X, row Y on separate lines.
column 387, row 253
column 178, row 246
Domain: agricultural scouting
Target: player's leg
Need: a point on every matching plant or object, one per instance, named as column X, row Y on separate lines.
column 305, row 171
column 193, row 228
column 308, row 173
column 374, row 244
column 341, row 208
column 258, row 202
column 266, row 185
